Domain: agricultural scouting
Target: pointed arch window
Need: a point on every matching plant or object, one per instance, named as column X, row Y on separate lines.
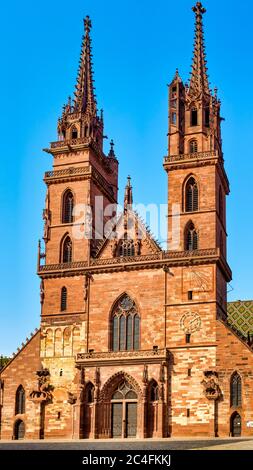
column 20, row 400
column 191, row 238
column 154, row 391
column 194, row 117
column 74, row 133
column 191, row 196
column 236, row 390
column 125, row 326
column 67, row 250
column 63, row 299
column 193, row 147
column 67, row 207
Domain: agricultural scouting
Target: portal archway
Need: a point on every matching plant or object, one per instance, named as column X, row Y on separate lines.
column 235, row 425
column 124, row 411
column 19, row 429
column 121, row 407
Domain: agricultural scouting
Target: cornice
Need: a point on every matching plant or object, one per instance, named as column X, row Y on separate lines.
column 111, row 358
column 131, row 263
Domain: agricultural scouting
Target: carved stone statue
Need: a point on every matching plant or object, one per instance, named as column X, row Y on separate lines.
column 43, row 393
column 46, row 217
column 42, row 292
column 211, row 386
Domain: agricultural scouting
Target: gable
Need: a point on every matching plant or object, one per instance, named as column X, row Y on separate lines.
column 136, row 232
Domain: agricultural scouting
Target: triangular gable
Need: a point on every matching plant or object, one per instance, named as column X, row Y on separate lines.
column 137, row 231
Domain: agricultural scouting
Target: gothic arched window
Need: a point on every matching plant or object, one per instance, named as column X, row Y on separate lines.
column 235, row 390
column 154, row 391
column 74, row 133
column 194, row 117
column 193, row 147
column 67, row 250
column 67, row 207
column 191, row 238
column 125, row 326
column 127, row 248
column 191, row 196
column 20, row 400
column 63, row 299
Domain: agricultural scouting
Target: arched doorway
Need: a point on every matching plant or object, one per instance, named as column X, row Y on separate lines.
column 236, row 425
column 19, row 429
column 124, row 411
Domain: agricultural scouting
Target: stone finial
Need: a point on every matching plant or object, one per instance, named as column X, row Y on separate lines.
column 111, row 153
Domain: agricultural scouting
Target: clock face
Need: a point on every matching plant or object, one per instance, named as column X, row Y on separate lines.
column 190, row 322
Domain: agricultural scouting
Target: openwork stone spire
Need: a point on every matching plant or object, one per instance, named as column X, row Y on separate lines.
column 85, row 101
column 199, row 79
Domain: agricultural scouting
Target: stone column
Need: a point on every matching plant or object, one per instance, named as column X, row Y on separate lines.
column 144, row 405
column 76, row 401
column 96, row 403
column 76, row 420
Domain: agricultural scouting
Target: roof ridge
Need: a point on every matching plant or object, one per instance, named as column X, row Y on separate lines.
column 19, row 350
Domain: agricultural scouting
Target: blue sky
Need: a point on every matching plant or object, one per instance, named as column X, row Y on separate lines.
column 137, row 47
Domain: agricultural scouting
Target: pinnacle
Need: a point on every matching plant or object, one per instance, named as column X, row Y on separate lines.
column 199, row 78
column 84, row 96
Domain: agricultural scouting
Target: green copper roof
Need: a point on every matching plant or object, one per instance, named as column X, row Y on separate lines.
column 240, row 316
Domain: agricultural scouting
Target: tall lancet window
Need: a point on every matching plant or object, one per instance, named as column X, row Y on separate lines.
column 67, row 207
column 191, row 238
column 191, row 196
column 20, row 400
column 63, row 298
column 67, row 250
column 235, row 390
column 125, row 327
column 194, row 117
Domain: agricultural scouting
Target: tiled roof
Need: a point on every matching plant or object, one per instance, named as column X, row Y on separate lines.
column 240, row 316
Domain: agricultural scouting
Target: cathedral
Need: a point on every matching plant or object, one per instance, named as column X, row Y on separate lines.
column 134, row 341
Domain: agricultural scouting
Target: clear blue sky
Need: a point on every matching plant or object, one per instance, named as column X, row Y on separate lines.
column 137, row 46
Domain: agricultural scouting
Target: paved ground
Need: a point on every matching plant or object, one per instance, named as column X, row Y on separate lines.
column 130, row 444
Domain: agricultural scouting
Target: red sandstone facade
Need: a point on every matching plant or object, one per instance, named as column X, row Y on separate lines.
column 134, row 340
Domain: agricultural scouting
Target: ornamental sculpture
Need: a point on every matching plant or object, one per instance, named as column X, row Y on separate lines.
column 211, row 386
column 44, row 391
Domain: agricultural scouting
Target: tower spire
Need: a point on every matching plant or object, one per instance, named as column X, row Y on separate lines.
column 128, row 199
column 85, row 101
column 199, row 83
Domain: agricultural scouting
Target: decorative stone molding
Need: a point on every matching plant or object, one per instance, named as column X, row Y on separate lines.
column 190, row 156
column 72, row 398
column 123, row 357
column 111, row 384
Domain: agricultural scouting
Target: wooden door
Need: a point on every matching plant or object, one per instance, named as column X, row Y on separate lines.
column 236, row 425
column 117, row 411
column 19, row 430
column 131, row 419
